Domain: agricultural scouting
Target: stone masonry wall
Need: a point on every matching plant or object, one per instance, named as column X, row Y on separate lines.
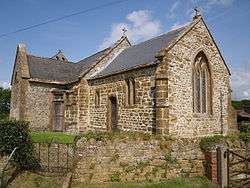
column 39, row 102
column 19, row 85
column 183, row 122
column 139, row 117
column 15, row 94
column 137, row 159
column 71, row 110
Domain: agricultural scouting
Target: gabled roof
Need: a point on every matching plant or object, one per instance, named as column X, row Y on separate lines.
column 43, row 68
column 140, row 54
column 50, row 69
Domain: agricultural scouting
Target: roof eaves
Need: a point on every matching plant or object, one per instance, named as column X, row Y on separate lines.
column 51, row 81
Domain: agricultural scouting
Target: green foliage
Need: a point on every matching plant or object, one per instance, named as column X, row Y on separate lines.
column 104, row 136
column 47, row 137
column 240, row 104
column 245, row 136
column 208, row 142
column 168, row 158
column 115, row 177
column 196, row 182
column 16, row 134
column 4, row 103
column 244, row 127
column 32, row 180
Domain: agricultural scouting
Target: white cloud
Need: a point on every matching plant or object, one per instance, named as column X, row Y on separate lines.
column 4, row 84
column 220, row 2
column 207, row 5
column 177, row 25
column 140, row 25
column 241, row 83
column 172, row 10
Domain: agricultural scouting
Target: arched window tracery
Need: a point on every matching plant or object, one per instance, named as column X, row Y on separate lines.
column 201, row 85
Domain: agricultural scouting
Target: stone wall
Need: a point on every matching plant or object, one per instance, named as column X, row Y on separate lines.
column 180, row 58
column 71, row 110
column 19, row 84
column 15, row 94
column 138, row 159
column 39, row 103
column 138, row 117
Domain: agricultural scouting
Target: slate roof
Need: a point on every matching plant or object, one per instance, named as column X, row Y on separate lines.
column 141, row 54
column 55, row 70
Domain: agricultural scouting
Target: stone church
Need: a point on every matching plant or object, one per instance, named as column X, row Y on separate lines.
column 174, row 84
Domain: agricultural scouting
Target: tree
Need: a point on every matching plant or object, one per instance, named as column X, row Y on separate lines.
column 240, row 104
column 4, row 103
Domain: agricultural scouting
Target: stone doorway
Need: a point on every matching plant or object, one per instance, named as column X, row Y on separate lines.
column 113, row 114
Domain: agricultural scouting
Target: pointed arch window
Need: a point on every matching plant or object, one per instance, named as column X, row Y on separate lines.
column 130, row 92
column 201, row 85
column 97, row 98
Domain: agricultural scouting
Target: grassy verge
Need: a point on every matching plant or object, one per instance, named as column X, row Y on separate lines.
column 197, row 182
column 47, row 137
column 32, row 180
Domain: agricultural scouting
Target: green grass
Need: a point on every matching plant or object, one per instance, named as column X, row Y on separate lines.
column 47, row 137
column 32, row 180
column 197, row 182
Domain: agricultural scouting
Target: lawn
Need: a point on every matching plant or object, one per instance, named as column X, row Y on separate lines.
column 197, row 182
column 32, row 180
column 52, row 136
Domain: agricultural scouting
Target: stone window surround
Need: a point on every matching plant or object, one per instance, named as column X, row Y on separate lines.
column 97, row 98
column 201, row 55
column 130, row 92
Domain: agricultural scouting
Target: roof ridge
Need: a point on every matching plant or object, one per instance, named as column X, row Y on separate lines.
column 50, row 58
column 174, row 30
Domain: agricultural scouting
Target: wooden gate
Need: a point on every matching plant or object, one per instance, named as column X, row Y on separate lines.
column 238, row 170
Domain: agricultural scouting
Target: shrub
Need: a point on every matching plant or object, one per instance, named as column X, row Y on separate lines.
column 210, row 141
column 5, row 95
column 115, row 177
column 168, row 158
column 16, row 134
column 244, row 127
column 245, row 136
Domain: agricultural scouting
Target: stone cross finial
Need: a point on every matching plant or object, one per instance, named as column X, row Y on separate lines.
column 197, row 13
column 124, row 31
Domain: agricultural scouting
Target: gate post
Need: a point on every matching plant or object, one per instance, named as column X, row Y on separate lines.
column 222, row 166
column 211, row 165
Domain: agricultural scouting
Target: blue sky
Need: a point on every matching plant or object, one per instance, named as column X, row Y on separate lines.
column 81, row 35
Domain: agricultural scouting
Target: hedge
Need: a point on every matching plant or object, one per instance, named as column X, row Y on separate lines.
column 16, row 134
